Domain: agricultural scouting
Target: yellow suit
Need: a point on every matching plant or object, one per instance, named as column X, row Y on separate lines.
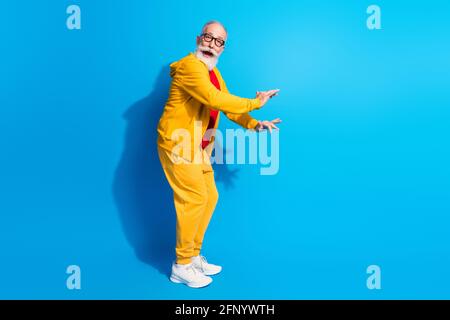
column 190, row 98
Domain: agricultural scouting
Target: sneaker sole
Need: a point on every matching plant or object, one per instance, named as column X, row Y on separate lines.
column 175, row 279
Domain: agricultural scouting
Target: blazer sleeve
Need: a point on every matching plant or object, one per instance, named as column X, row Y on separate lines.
column 192, row 78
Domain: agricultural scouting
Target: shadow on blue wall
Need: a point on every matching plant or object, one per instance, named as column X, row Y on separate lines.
column 142, row 195
column 141, row 192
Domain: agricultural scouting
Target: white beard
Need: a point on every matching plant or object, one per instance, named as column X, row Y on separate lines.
column 210, row 62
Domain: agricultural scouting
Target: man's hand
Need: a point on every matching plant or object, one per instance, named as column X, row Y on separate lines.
column 264, row 96
column 262, row 125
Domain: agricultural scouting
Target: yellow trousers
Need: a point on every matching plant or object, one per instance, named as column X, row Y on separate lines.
column 195, row 197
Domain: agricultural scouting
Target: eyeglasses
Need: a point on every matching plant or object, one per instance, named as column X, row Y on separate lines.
column 208, row 38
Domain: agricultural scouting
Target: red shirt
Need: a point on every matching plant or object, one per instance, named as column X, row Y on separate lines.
column 213, row 113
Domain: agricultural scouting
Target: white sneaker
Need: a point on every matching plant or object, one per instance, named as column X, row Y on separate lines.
column 190, row 276
column 199, row 262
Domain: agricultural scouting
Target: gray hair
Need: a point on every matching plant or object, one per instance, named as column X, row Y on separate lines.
column 214, row 22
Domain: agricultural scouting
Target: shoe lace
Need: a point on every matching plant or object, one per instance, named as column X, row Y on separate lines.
column 192, row 268
column 203, row 262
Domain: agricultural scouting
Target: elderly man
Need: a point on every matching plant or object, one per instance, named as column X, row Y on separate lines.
column 197, row 94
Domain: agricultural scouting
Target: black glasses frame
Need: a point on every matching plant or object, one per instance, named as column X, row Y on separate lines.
column 217, row 41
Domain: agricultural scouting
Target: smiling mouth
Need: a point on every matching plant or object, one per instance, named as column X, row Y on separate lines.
column 207, row 54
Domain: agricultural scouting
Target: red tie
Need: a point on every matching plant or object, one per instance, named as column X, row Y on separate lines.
column 213, row 113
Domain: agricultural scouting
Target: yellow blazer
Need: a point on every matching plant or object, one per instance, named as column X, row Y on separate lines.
column 191, row 96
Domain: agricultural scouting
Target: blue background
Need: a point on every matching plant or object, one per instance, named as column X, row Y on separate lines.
column 364, row 150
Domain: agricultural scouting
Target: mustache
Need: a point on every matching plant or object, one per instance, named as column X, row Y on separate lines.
column 207, row 49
